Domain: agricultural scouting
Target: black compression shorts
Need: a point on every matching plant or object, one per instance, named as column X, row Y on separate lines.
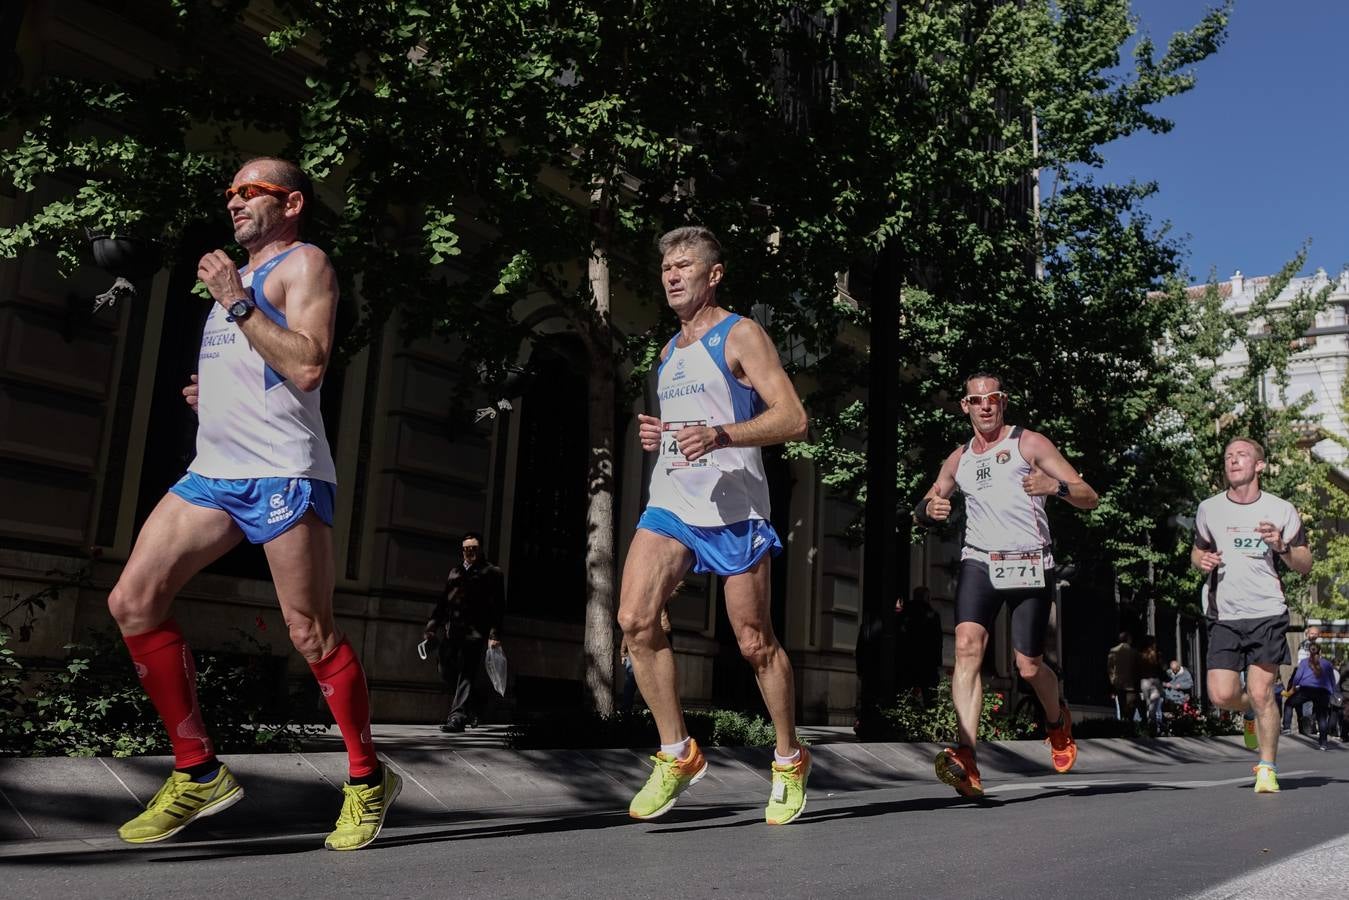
column 978, row 601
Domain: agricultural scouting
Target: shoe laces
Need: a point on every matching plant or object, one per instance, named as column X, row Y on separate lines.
column 666, row 768
column 355, row 805
column 169, row 794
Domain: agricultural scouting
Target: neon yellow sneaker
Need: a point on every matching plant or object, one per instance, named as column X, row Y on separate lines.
column 363, row 812
column 1266, row 781
column 180, row 801
column 1248, row 735
column 670, row 777
column 788, row 797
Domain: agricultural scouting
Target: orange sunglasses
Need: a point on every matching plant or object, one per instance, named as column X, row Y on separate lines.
column 250, row 189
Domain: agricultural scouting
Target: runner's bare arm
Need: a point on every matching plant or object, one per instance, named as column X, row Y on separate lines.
column 1048, row 468
column 938, row 496
column 750, row 354
column 300, row 350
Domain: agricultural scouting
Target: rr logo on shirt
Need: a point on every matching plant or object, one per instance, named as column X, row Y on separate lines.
column 983, row 473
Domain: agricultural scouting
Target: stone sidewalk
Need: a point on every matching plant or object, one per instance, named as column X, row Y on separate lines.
column 473, row 775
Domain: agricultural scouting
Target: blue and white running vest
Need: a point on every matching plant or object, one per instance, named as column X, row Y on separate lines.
column 696, row 387
column 251, row 421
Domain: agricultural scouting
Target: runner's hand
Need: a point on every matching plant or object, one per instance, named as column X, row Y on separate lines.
column 1269, row 532
column 696, row 441
column 1038, row 484
column 191, row 393
column 217, row 271
column 648, row 432
column 939, row 508
column 1210, row 561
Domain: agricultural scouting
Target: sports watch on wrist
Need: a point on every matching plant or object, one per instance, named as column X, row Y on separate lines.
column 239, row 309
column 1062, row 491
column 722, row 439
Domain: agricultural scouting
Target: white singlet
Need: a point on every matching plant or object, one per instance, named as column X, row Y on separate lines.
column 252, row 422
column 998, row 513
column 695, row 387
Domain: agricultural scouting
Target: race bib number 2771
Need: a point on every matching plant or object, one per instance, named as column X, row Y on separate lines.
column 1012, row 569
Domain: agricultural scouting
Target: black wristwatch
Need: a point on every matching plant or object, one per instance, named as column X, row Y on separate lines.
column 722, row 439
column 240, row 309
column 1062, row 491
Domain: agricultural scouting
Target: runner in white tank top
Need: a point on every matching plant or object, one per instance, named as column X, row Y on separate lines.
column 262, row 472
column 1005, row 473
column 723, row 395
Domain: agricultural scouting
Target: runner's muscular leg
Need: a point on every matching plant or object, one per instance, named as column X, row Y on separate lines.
column 1224, row 689
column 747, row 606
column 654, row 565
column 967, row 687
column 301, row 560
column 177, row 541
column 1260, row 678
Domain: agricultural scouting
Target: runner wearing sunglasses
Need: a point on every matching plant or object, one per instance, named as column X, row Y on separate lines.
column 263, row 471
column 1005, row 473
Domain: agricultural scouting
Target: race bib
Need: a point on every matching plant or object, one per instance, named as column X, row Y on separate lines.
column 1012, row 569
column 1247, row 541
column 670, row 455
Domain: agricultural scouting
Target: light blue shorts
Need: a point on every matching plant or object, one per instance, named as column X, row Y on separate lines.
column 263, row 508
column 724, row 549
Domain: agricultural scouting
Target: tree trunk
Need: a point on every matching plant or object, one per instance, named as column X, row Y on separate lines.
column 600, row 656
column 886, row 557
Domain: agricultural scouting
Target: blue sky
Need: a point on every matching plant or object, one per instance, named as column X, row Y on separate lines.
column 1259, row 159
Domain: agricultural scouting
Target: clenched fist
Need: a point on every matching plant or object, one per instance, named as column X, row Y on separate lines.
column 939, row 508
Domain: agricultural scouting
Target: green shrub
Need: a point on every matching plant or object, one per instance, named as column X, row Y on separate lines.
column 94, row 705
column 910, row 720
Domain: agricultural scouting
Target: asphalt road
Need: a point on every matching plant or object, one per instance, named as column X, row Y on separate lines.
column 1140, row 832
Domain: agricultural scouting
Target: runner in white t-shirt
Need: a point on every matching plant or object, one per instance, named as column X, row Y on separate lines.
column 1239, row 534
column 1005, row 473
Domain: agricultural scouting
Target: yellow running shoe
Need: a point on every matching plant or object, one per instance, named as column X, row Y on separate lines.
column 180, row 801
column 670, row 777
column 1248, row 735
column 1266, row 781
column 363, row 812
column 788, row 797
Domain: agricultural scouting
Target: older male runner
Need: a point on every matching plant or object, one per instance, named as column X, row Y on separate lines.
column 1005, row 473
column 723, row 395
column 263, row 472
column 1238, row 535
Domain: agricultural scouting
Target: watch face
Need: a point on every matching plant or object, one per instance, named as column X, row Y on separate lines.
column 239, row 309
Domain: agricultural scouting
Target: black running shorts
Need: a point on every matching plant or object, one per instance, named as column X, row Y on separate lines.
column 978, row 601
column 1236, row 644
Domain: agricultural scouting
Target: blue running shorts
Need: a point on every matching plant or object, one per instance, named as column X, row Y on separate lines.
column 723, row 550
column 263, row 508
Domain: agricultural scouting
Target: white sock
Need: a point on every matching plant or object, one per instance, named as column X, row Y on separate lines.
column 678, row 751
column 786, row 760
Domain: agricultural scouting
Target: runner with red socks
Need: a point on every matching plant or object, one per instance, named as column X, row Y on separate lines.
column 263, row 471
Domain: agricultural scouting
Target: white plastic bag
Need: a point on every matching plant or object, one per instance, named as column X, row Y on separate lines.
column 495, row 662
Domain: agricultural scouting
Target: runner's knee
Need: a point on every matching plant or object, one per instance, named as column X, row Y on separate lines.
column 307, row 636
column 969, row 646
column 756, row 647
column 639, row 626
column 135, row 605
column 1028, row 667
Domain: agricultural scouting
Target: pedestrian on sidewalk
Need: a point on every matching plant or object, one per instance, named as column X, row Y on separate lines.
column 466, row 622
column 1121, row 665
column 1150, row 683
column 1314, row 681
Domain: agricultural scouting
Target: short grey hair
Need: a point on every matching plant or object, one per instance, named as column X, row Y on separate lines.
column 709, row 248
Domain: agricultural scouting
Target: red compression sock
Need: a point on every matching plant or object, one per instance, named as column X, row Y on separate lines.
column 169, row 675
column 342, row 681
